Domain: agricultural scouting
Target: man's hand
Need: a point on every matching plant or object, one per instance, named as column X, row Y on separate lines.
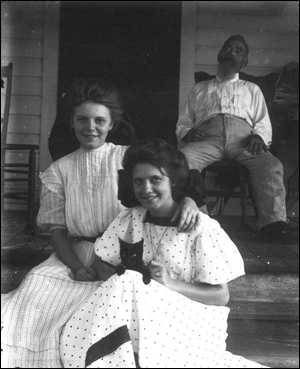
column 256, row 145
column 194, row 135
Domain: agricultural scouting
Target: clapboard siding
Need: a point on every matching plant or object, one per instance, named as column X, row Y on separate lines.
column 22, row 43
column 23, row 138
column 27, row 29
column 23, row 105
column 24, row 67
column 25, row 48
column 261, row 39
column 24, row 124
column 26, row 105
column 27, row 86
column 269, row 27
column 244, row 22
column 267, row 8
column 23, row 11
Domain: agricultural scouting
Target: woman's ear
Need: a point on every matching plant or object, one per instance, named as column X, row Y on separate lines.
column 111, row 126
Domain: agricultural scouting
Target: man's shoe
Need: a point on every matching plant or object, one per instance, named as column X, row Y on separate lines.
column 278, row 232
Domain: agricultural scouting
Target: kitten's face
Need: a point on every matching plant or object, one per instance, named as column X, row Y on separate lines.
column 131, row 253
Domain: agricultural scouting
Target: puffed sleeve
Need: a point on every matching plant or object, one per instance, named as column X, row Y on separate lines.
column 52, row 208
column 107, row 247
column 216, row 258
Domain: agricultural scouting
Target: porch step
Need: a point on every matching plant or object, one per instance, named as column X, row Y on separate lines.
column 17, row 261
column 263, row 322
column 264, row 287
column 273, row 343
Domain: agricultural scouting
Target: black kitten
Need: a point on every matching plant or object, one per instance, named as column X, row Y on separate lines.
column 132, row 258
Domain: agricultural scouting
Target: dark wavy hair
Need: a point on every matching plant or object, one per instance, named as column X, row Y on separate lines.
column 97, row 91
column 162, row 155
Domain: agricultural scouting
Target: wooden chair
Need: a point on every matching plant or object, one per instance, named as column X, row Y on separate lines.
column 229, row 175
column 16, row 172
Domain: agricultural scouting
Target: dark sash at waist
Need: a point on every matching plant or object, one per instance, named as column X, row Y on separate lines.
column 88, row 239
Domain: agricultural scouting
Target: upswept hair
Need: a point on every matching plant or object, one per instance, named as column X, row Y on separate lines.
column 96, row 91
column 162, row 155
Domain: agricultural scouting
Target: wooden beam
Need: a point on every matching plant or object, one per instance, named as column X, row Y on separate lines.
column 50, row 75
column 187, row 54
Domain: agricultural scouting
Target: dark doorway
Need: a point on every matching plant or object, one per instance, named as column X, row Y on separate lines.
column 136, row 44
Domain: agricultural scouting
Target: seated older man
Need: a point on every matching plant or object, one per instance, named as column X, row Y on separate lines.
column 227, row 118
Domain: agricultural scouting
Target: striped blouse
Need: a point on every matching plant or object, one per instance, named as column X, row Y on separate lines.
column 235, row 97
column 80, row 191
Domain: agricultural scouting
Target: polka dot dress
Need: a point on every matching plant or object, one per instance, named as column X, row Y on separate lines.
column 166, row 329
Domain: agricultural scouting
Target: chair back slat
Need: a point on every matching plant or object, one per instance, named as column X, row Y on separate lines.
column 6, row 84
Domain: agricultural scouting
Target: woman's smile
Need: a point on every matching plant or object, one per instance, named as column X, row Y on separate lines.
column 149, row 198
column 153, row 189
column 90, row 137
column 92, row 122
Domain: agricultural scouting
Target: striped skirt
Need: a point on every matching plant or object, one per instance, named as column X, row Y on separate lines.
column 33, row 315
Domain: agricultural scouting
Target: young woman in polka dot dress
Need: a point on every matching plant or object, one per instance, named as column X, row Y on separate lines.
column 179, row 320
column 79, row 200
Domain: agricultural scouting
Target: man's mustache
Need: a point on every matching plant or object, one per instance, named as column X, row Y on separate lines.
column 226, row 57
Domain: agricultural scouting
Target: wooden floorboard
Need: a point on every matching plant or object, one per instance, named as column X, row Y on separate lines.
column 264, row 310
column 260, row 327
column 261, row 256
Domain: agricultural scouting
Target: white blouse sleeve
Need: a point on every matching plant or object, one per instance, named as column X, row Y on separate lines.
column 52, row 208
column 216, row 258
column 107, row 247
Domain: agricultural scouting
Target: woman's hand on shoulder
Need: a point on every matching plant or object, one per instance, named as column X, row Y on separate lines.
column 189, row 215
column 86, row 274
